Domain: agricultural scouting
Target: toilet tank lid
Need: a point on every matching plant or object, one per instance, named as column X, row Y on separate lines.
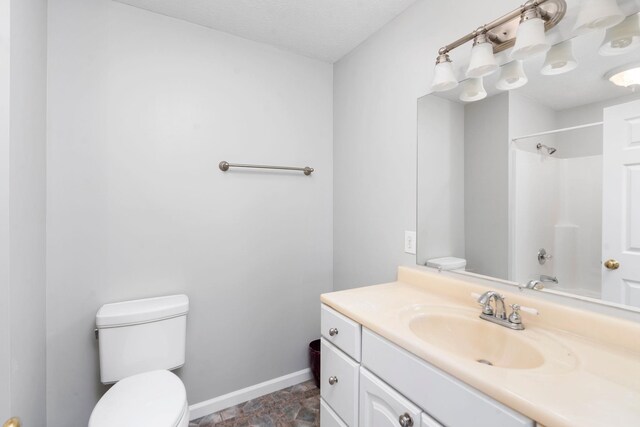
column 447, row 263
column 141, row 311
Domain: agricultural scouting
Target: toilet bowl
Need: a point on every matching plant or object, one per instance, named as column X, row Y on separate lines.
column 140, row 342
column 150, row 399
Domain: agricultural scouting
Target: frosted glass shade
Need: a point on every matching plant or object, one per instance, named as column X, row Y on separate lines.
column 443, row 77
column 482, row 62
column 598, row 15
column 530, row 39
column 473, row 90
column 622, row 38
column 559, row 59
column 627, row 76
column 512, row 76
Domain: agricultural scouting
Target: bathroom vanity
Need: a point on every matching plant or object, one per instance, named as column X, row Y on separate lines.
column 416, row 353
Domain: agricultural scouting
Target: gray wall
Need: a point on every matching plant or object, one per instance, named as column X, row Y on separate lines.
column 22, row 210
column 375, row 92
column 141, row 110
column 486, row 185
column 441, row 173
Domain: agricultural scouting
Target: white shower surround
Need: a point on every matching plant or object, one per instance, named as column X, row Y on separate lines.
column 558, row 206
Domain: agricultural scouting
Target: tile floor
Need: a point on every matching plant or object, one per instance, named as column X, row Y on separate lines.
column 297, row 406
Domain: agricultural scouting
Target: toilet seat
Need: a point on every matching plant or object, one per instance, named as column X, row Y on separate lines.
column 154, row 399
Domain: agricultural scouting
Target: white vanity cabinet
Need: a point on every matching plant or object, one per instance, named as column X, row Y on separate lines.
column 382, row 406
column 367, row 381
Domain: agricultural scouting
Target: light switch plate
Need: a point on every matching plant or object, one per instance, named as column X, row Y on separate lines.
column 410, row 242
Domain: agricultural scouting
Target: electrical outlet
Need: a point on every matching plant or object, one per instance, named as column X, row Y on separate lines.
column 410, row 242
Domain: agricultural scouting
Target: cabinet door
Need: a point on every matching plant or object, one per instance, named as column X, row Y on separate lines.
column 328, row 418
column 382, row 406
column 339, row 383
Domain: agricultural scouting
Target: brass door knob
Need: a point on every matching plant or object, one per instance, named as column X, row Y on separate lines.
column 12, row 422
column 612, row 264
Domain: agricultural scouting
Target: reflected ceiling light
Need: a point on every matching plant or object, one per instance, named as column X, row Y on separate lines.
column 473, row 90
column 559, row 59
column 622, row 38
column 626, row 76
column 598, row 15
column 530, row 38
column 482, row 61
column 443, row 76
column 512, row 76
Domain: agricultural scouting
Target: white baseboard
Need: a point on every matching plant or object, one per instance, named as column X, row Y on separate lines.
column 219, row 403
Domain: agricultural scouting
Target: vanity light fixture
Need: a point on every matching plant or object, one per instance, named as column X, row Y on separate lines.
column 473, row 90
column 443, row 78
column 622, row 38
column 482, row 62
column 559, row 59
column 598, row 15
column 626, row 76
column 523, row 27
column 530, row 39
column 512, row 76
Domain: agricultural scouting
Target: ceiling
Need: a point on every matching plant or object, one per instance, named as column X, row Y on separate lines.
column 321, row 29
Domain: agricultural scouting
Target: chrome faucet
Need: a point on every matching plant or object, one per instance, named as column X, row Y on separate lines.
column 539, row 284
column 498, row 314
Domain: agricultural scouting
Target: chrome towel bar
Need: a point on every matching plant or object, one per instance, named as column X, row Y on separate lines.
column 224, row 166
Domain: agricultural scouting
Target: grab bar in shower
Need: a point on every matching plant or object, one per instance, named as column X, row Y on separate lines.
column 224, row 166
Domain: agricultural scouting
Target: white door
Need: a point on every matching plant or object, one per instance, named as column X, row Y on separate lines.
column 382, row 406
column 621, row 204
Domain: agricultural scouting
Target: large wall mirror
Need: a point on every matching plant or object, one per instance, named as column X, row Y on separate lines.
column 539, row 185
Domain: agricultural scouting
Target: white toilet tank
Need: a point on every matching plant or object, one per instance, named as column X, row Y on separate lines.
column 141, row 336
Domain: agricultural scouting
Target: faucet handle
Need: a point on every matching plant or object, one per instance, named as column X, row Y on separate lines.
column 515, row 317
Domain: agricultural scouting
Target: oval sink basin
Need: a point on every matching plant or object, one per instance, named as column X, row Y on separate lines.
column 478, row 340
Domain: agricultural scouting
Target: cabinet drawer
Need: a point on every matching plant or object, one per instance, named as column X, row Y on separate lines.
column 449, row 400
column 328, row 418
column 341, row 331
column 427, row 421
column 342, row 396
column 382, row 406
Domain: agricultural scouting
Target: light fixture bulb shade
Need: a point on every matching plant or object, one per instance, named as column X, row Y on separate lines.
column 512, row 76
column 598, row 15
column 559, row 59
column 622, row 38
column 473, row 90
column 482, row 62
column 530, row 39
column 626, row 76
column 443, row 77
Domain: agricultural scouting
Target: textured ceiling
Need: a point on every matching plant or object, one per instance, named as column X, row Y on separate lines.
column 322, row 29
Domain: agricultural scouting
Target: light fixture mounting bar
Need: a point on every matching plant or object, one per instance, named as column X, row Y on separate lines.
column 502, row 31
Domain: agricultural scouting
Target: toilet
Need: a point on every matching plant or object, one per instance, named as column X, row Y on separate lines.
column 140, row 342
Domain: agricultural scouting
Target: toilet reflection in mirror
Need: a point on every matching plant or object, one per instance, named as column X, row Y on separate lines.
column 552, row 163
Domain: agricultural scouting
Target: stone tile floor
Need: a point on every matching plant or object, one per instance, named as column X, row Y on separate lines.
column 297, row 406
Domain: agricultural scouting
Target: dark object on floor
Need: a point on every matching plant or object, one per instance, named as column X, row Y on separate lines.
column 314, row 360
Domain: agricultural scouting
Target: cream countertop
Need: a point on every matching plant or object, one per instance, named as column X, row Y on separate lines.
column 591, row 376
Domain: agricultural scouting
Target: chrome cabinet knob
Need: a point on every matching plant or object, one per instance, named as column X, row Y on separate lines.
column 405, row 420
column 333, row 380
column 612, row 264
column 333, row 332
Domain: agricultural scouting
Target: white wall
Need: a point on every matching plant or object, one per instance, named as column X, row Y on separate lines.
column 375, row 92
column 141, row 110
column 22, row 209
column 440, row 224
column 27, row 208
column 5, row 143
